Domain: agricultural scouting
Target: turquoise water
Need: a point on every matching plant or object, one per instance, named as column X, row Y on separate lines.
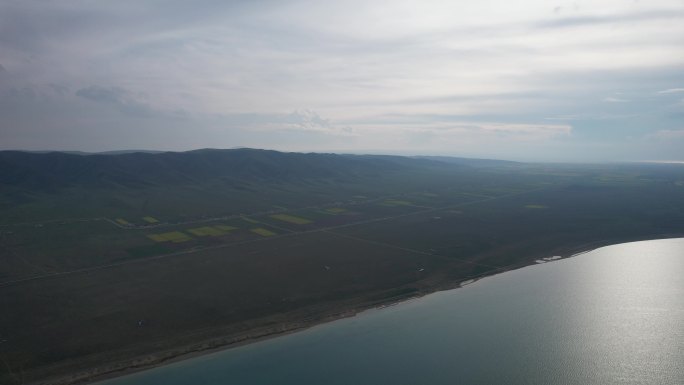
column 611, row 316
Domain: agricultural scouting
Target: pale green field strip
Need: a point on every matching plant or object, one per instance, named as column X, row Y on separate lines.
column 263, row 232
column 211, row 231
column 335, row 210
column 150, row 220
column 173, row 236
column 250, row 220
column 395, row 202
column 122, row 221
column 291, row 219
column 157, row 237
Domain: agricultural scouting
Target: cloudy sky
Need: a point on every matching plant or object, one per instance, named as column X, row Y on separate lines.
column 528, row 80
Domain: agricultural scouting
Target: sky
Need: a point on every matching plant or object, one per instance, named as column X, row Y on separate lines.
column 537, row 80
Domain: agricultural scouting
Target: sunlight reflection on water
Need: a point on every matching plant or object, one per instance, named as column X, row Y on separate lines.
column 611, row 316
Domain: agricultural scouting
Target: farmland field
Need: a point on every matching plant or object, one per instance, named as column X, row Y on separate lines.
column 263, row 232
column 291, row 219
column 140, row 274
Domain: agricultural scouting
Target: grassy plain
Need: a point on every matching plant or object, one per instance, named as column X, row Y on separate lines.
column 85, row 294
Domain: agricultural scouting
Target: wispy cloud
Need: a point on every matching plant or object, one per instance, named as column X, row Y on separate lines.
column 668, row 134
column 300, row 120
column 615, row 100
column 381, row 74
column 523, row 131
column 672, row 91
column 118, row 97
column 601, row 116
column 588, row 20
column 473, row 129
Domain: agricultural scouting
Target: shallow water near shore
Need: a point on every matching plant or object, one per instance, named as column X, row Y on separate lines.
column 614, row 315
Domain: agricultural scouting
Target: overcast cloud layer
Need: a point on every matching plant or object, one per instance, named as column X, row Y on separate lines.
column 531, row 80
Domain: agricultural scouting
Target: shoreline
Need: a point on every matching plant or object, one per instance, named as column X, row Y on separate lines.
column 261, row 333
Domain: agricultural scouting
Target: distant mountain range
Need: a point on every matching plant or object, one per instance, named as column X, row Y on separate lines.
column 116, row 152
column 475, row 162
column 52, row 170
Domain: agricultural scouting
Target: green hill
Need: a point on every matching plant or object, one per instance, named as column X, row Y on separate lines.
column 56, row 170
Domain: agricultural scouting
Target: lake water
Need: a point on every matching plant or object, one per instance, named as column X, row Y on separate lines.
column 611, row 316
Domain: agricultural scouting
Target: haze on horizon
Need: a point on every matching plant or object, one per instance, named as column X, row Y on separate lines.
column 526, row 80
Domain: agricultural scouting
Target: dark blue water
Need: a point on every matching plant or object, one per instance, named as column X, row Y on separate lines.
column 611, row 316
